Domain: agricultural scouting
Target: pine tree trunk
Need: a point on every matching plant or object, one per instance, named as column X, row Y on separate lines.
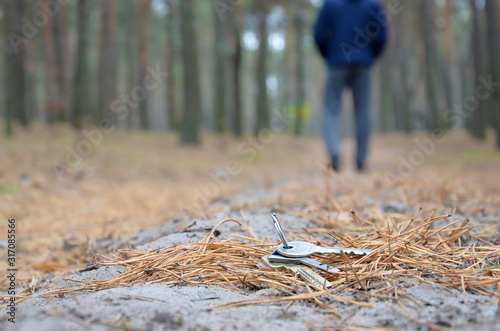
column 220, row 74
column 131, row 56
column 452, row 54
column 51, row 72
column 431, row 63
column 262, row 100
column 300, row 63
column 112, row 58
column 480, row 114
column 102, row 83
column 60, row 62
column 386, row 101
column 142, row 24
column 80, row 88
column 192, row 93
column 108, row 59
column 171, row 101
column 236, row 70
column 288, row 72
column 63, row 53
column 15, row 85
column 34, row 51
column 493, row 41
column 402, row 90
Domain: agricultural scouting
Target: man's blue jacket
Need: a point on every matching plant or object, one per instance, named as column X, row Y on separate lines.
column 351, row 32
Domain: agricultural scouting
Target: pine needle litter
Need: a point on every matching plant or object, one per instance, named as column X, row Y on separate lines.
column 449, row 256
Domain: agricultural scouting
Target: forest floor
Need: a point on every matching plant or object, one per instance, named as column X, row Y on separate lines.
column 72, row 198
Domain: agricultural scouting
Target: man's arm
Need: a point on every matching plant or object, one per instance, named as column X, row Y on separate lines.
column 381, row 38
column 321, row 32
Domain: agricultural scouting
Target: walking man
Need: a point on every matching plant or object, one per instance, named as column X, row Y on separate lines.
column 350, row 35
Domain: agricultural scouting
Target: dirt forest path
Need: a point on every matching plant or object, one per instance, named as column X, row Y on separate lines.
column 137, row 188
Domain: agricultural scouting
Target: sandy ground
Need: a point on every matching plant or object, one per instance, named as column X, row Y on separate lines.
column 157, row 307
column 461, row 177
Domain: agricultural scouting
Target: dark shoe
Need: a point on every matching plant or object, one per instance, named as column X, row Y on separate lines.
column 360, row 166
column 335, row 163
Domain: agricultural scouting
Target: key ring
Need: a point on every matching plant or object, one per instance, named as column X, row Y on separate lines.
column 279, row 230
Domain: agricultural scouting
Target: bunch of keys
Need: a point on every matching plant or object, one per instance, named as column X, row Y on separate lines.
column 294, row 256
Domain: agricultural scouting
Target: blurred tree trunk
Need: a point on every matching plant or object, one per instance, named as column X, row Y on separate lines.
column 299, row 66
column 171, row 111
column 493, row 41
column 143, row 21
column 80, row 88
column 59, row 65
column 478, row 120
column 51, row 67
column 103, row 59
column 432, row 72
column 192, row 93
column 220, row 73
column 131, row 58
column 262, row 100
column 452, row 55
column 449, row 29
column 34, row 107
column 236, row 69
column 108, row 58
column 15, row 71
column 400, row 72
column 60, row 44
column 447, row 91
column 386, row 101
column 288, row 72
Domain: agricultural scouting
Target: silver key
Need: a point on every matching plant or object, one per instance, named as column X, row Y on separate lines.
column 277, row 258
column 303, row 249
column 304, row 271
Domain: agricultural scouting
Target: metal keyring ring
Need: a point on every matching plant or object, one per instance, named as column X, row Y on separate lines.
column 279, row 230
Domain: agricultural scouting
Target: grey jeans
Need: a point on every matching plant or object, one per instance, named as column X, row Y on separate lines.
column 358, row 79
